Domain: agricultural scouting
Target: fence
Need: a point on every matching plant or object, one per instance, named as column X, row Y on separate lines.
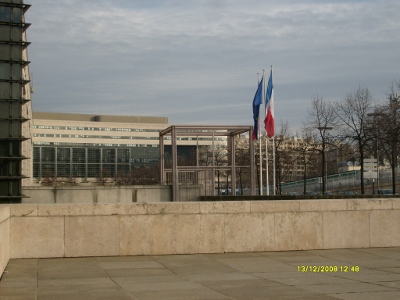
column 336, row 182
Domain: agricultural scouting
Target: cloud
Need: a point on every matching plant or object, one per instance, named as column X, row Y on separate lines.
column 198, row 60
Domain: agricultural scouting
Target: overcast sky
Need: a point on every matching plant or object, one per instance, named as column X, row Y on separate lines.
column 196, row 62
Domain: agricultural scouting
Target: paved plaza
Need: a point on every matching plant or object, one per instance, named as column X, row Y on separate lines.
column 318, row 274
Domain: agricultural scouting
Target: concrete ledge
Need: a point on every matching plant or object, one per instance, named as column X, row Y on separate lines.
column 71, row 230
column 101, row 194
column 4, row 237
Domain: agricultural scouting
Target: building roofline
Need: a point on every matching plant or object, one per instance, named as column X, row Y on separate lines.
column 99, row 118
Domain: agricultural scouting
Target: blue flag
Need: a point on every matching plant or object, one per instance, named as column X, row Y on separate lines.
column 256, row 108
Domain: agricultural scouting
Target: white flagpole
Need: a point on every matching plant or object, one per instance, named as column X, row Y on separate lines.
column 273, row 144
column 259, row 144
column 266, row 162
column 266, row 137
column 273, row 147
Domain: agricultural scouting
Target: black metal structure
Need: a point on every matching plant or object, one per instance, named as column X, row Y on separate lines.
column 14, row 85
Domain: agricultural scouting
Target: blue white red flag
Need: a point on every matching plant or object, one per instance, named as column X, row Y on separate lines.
column 269, row 109
column 257, row 101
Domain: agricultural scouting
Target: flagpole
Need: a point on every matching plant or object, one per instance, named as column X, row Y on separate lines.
column 259, row 146
column 266, row 162
column 273, row 152
column 273, row 147
column 266, row 137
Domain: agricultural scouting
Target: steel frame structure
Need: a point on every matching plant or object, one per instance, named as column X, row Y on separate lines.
column 230, row 132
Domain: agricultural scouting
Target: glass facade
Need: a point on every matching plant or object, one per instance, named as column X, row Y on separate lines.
column 95, row 162
column 13, row 95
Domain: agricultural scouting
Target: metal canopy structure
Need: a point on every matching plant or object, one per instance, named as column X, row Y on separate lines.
column 176, row 131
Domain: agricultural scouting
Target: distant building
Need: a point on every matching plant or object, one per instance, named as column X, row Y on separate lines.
column 15, row 95
column 91, row 146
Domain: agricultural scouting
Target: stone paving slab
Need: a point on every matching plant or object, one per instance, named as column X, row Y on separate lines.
column 229, row 276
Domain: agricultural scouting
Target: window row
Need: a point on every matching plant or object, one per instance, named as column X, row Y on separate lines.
column 93, row 155
column 94, row 128
column 79, row 170
column 94, row 136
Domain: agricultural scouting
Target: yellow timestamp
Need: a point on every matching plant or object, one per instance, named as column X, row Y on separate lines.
column 328, row 269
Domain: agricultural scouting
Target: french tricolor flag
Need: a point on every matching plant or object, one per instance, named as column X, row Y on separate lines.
column 269, row 109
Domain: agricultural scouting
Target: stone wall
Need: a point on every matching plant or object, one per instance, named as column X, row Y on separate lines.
column 4, row 237
column 72, row 230
column 97, row 194
column 108, row 194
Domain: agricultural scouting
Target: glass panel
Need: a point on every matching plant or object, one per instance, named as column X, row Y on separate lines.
column 4, row 191
column 36, row 173
column 16, row 110
column 5, row 90
column 4, row 148
column 15, row 188
column 123, row 155
column 16, row 129
column 5, row 129
column 16, row 34
column 16, row 72
column 63, row 155
column 15, row 148
column 5, row 71
column 15, row 168
column 78, row 155
column 4, row 110
column 3, row 167
column 16, row 91
column 93, row 170
column 16, row 14
column 63, row 170
column 93, row 155
column 5, row 32
column 123, row 169
column 36, row 154
column 78, row 170
column 16, row 52
column 108, row 155
column 5, row 52
column 48, row 154
column 5, row 14
column 108, row 170
column 48, row 170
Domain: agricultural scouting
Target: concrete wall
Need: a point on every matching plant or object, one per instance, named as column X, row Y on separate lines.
column 72, row 230
column 4, row 237
column 99, row 194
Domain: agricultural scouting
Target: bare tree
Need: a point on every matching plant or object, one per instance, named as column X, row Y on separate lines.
column 321, row 120
column 353, row 113
column 285, row 161
column 242, row 162
column 308, row 153
column 218, row 157
column 388, row 126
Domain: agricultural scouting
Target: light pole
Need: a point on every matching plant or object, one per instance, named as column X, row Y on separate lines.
column 324, row 175
column 394, row 105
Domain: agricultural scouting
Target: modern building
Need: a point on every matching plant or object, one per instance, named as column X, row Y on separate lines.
column 91, row 146
column 15, row 95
